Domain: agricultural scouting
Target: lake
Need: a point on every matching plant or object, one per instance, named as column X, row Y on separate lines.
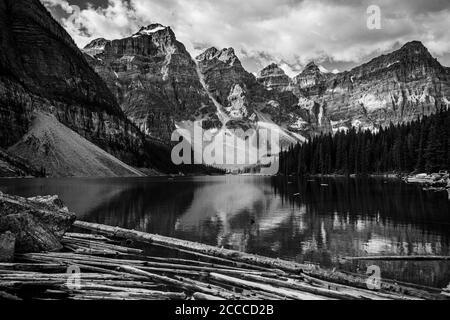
column 313, row 221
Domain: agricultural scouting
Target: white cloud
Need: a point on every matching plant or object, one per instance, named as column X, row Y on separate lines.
column 291, row 32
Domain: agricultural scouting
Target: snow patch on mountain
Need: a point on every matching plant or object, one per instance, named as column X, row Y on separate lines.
column 371, row 103
column 446, row 101
column 323, row 69
column 299, row 124
column 149, row 30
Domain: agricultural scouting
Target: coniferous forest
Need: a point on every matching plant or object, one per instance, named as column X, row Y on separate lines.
column 419, row 146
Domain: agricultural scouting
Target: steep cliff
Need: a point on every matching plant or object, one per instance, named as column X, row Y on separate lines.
column 42, row 69
column 274, row 78
column 154, row 80
column 311, row 118
column 243, row 100
column 398, row 87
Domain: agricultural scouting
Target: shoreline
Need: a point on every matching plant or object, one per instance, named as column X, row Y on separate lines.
column 436, row 182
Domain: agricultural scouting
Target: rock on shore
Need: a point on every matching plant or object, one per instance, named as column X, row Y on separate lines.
column 435, row 181
column 34, row 224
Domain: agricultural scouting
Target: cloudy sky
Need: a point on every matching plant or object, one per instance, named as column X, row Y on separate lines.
column 333, row 33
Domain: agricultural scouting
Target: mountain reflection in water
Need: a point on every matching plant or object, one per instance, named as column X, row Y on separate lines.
column 314, row 221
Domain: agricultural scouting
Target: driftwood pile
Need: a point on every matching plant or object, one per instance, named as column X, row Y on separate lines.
column 98, row 267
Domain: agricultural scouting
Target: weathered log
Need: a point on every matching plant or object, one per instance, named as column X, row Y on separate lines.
column 228, row 262
column 8, row 296
column 399, row 258
column 89, row 251
column 196, row 247
column 81, row 257
column 172, row 271
column 200, row 263
column 111, row 288
column 22, row 284
column 185, row 284
column 203, row 296
column 82, row 264
column 214, row 268
column 152, row 266
column 86, row 236
column 105, row 295
column 365, row 294
column 32, row 266
column 218, row 289
column 129, row 284
column 360, row 281
column 403, row 284
column 269, row 296
column 268, row 288
column 37, row 276
column 296, row 285
column 97, row 244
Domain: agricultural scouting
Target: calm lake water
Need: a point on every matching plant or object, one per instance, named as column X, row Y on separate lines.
column 314, row 221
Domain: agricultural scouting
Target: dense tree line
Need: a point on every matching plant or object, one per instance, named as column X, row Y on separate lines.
column 419, row 146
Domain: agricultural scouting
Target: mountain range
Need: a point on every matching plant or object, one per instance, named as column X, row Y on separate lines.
column 126, row 96
column 393, row 88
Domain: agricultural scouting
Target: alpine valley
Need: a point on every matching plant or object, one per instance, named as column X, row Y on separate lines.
column 110, row 108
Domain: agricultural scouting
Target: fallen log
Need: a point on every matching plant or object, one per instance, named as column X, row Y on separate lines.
column 203, row 296
column 32, row 267
column 364, row 294
column 8, row 296
column 399, row 258
column 101, row 245
column 192, row 246
column 360, row 281
column 196, row 262
column 189, row 286
column 288, row 293
column 234, row 263
column 129, row 284
column 112, row 289
column 295, row 285
column 86, row 236
column 105, row 295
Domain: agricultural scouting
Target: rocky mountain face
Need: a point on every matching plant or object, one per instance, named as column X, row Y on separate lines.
column 42, row 69
column 154, row 80
column 311, row 117
column 274, row 78
column 160, row 87
column 310, row 81
column 243, row 101
column 13, row 166
column 397, row 87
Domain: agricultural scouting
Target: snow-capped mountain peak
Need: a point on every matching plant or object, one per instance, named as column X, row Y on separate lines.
column 151, row 29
